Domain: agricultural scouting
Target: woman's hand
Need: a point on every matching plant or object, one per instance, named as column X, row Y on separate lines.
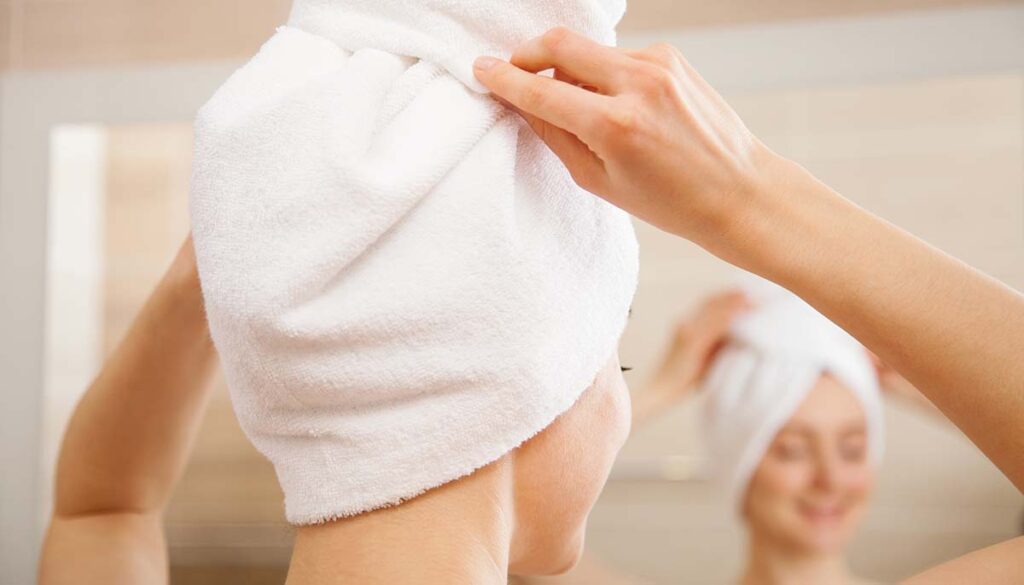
column 640, row 128
column 695, row 342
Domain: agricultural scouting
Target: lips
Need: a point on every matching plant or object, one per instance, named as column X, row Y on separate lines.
column 822, row 513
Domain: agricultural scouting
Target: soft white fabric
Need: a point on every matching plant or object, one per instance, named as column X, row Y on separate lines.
column 776, row 354
column 452, row 33
column 402, row 281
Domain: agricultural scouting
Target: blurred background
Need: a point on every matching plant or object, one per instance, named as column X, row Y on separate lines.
column 912, row 108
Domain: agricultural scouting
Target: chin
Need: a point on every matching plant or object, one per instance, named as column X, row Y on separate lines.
column 556, row 557
column 569, row 558
column 824, row 543
column 831, row 540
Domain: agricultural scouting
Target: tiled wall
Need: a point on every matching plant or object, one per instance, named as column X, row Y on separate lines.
column 70, row 33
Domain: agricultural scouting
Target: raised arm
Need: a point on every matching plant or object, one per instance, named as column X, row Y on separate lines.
column 695, row 342
column 644, row 131
column 128, row 440
column 651, row 136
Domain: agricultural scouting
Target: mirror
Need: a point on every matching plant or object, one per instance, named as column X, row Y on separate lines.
column 918, row 117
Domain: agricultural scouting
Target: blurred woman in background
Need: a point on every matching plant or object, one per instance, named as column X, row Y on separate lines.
column 794, row 440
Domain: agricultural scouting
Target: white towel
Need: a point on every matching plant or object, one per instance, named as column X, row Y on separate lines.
column 402, row 281
column 775, row 356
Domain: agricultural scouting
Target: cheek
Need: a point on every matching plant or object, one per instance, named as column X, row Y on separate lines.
column 773, row 493
column 561, row 472
column 620, row 414
column 602, row 437
column 858, row 482
column 784, row 480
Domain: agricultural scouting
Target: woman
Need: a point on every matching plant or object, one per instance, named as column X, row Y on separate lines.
column 792, row 426
column 416, row 310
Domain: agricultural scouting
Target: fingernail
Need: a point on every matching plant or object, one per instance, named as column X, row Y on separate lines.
column 484, row 63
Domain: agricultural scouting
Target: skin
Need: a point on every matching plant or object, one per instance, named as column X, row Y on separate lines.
column 644, row 131
column 128, row 440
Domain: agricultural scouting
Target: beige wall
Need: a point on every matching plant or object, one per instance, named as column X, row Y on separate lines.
column 72, row 33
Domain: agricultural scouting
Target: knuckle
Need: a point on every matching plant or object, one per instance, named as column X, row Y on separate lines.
column 555, row 37
column 663, row 54
column 657, row 80
column 621, row 122
column 580, row 178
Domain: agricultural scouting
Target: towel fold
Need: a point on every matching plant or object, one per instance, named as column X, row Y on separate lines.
column 402, row 281
column 775, row 356
column 452, row 33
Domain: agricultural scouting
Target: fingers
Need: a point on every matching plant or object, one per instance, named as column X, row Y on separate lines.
column 590, row 63
column 714, row 317
column 728, row 304
column 564, row 105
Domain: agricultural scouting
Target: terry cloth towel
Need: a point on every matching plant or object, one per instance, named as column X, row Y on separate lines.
column 402, row 281
column 775, row 356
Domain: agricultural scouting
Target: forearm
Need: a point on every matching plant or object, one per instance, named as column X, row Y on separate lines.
column 113, row 549
column 998, row 564
column 956, row 334
column 128, row 439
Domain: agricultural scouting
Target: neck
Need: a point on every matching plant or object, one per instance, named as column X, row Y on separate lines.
column 458, row 533
column 772, row 563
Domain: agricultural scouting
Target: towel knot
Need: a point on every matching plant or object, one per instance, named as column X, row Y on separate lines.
column 452, row 33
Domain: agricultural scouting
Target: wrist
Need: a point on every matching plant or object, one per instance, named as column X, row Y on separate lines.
column 775, row 225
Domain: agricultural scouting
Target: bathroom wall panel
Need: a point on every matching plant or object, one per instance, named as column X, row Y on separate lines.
column 76, row 33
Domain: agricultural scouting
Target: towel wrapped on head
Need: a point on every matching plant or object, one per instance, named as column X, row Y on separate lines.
column 402, row 281
column 775, row 356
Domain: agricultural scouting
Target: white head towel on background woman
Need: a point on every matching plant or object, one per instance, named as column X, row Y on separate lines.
column 402, row 281
column 776, row 354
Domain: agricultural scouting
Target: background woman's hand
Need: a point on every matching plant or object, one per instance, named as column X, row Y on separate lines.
column 694, row 344
column 640, row 128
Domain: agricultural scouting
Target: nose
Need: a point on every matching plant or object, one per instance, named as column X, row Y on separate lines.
column 827, row 470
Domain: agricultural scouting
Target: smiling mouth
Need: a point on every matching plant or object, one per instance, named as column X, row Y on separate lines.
column 817, row 514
